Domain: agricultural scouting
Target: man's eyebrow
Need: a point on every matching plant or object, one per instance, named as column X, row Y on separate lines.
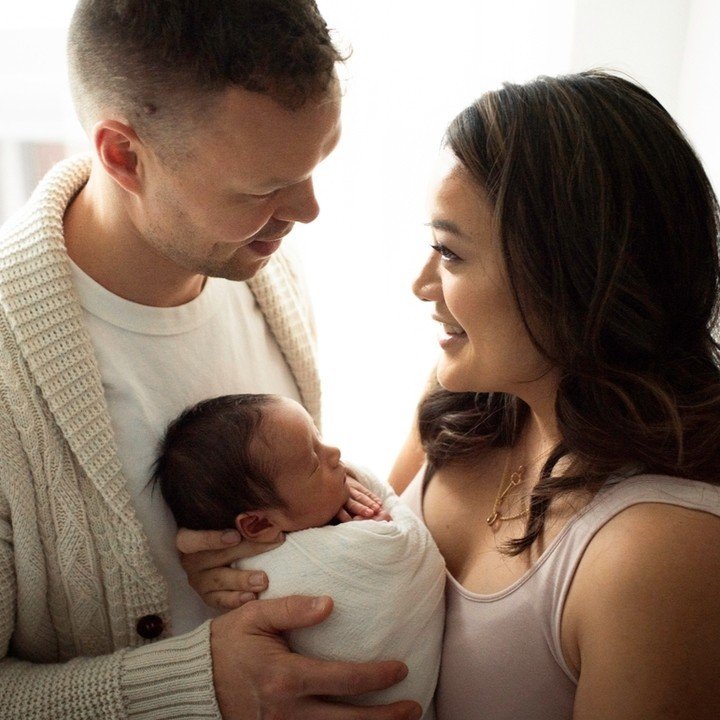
column 447, row 226
column 281, row 182
column 277, row 182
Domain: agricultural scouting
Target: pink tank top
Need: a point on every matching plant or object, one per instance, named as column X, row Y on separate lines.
column 502, row 658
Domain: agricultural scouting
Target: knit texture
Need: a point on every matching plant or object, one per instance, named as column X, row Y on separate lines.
column 75, row 569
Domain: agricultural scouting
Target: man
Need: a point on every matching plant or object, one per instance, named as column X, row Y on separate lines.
column 132, row 285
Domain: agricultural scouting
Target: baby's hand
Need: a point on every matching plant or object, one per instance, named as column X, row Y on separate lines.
column 362, row 504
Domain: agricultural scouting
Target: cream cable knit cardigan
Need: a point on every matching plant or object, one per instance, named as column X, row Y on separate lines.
column 75, row 570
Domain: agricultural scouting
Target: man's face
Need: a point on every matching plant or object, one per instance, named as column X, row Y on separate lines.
column 247, row 179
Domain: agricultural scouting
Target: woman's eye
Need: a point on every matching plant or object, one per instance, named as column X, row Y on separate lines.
column 444, row 252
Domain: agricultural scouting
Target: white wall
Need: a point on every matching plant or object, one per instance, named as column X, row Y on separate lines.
column 414, row 66
column 644, row 38
column 699, row 88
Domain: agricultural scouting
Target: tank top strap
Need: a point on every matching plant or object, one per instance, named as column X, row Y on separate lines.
column 615, row 496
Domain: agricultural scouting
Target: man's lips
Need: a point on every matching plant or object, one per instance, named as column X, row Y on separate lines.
column 267, row 246
column 264, row 248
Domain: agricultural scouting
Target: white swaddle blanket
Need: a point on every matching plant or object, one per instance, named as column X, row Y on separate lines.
column 387, row 581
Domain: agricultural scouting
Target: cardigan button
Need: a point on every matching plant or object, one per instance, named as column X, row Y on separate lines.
column 149, row 626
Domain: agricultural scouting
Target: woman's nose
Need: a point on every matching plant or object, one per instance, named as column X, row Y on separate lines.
column 426, row 285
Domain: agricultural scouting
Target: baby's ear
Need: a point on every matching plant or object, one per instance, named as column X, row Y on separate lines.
column 255, row 527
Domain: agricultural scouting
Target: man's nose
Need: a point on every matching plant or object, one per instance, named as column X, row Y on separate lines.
column 298, row 203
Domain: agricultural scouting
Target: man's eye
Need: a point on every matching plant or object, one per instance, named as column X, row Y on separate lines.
column 261, row 196
column 444, row 252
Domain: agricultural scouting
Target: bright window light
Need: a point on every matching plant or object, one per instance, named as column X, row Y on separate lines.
column 414, row 65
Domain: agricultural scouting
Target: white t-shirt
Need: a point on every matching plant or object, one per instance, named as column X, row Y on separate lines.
column 154, row 363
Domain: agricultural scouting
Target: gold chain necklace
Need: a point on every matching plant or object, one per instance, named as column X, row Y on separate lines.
column 516, row 478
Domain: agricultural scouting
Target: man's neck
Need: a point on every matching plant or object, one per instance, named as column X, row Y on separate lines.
column 103, row 242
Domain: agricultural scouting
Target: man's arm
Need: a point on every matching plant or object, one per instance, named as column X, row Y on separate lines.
column 85, row 688
column 246, row 659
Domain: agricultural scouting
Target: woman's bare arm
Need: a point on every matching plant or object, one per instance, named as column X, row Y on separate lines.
column 408, row 462
column 642, row 618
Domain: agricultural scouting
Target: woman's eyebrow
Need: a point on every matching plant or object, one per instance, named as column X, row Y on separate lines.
column 447, row 226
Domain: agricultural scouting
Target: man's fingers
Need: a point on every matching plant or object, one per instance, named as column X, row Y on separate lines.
column 286, row 613
column 227, row 599
column 199, row 561
column 251, row 549
column 193, row 541
column 322, row 677
column 224, row 579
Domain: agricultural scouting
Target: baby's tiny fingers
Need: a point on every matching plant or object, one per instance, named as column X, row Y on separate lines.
column 343, row 516
column 364, row 497
column 358, row 507
column 374, row 497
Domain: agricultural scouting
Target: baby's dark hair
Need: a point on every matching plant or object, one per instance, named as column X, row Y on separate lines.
column 208, row 470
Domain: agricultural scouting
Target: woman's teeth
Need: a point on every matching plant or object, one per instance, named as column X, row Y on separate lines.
column 453, row 329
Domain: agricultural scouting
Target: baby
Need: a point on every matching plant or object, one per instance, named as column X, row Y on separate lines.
column 217, row 471
column 257, row 463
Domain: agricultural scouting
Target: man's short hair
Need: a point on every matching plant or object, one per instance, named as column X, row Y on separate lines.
column 159, row 62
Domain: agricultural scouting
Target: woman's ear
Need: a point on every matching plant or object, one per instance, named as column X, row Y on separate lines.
column 256, row 527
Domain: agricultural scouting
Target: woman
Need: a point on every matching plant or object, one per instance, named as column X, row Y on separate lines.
column 573, row 444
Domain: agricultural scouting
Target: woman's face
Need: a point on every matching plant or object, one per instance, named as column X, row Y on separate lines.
column 484, row 344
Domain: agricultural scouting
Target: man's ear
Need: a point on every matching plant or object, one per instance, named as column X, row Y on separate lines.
column 256, row 527
column 117, row 147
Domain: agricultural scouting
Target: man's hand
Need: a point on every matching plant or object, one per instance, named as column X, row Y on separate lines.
column 256, row 676
column 205, row 556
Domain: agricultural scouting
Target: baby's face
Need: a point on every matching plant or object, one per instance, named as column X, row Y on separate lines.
column 308, row 474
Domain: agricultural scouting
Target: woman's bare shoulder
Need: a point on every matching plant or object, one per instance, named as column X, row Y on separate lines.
column 642, row 616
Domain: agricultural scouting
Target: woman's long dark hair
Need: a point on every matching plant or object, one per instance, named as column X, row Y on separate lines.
column 609, row 232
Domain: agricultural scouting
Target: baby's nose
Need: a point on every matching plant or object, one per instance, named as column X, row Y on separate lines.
column 333, row 455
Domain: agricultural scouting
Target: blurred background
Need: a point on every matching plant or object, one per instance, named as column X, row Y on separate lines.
column 414, row 65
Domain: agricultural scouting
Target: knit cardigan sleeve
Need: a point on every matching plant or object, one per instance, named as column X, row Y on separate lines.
column 76, row 572
column 169, row 678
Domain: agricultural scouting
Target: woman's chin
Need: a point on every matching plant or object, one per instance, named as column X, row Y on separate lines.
column 452, row 381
